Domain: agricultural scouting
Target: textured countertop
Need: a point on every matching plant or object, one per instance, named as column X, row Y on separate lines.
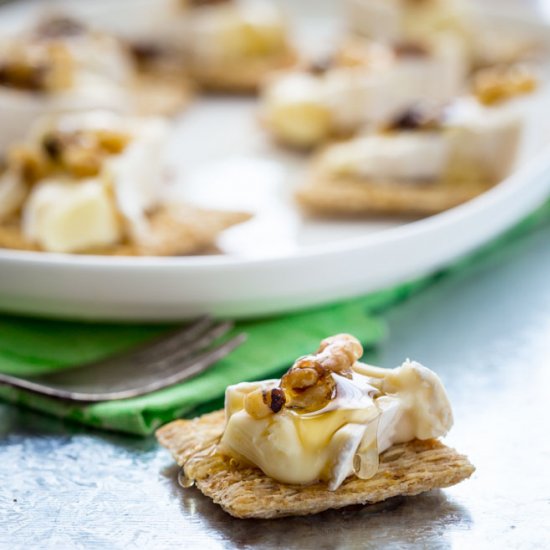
column 486, row 332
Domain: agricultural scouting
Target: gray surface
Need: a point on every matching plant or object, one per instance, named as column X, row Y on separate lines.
column 487, row 334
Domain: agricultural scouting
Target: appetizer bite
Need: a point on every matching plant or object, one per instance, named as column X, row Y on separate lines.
column 330, row 433
column 404, row 20
column 234, row 44
column 363, row 83
column 62, row 66
column 92, row 183
column 427, row 160
column 486, row 41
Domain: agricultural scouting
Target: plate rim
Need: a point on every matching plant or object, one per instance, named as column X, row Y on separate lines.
column 518, row 179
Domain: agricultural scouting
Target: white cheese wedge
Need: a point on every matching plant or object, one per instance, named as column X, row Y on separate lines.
column 475, row 142
column 425, row 409
column 404, row 156
column 101, row 55
column 296, row 110
column 236, row 30
column 19, row 110
column 370, row 412
column 69, row 216
column 357, row 96
column 378, row 19
column 484, row 140
column 394, row 20
column 438, row 76
column 136, row 174
column 305, row 109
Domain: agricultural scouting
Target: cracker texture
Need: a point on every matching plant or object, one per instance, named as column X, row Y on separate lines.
column 174, row 231
column 352, row 196
column 245, row 492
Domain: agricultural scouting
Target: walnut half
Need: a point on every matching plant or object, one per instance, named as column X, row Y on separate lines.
column 308, row 385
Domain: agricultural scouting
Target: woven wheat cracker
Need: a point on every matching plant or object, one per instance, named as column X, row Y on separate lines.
column 245, row 492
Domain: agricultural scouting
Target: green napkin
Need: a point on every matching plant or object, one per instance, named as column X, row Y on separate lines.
column 32, row 346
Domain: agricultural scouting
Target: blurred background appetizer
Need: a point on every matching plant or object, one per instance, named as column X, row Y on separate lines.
column 362, row 82
column 234, row 44
column 394, row 21
column 428, row 159
column 92, row 183
column 390, row 101
column 408, row 20
column 61, row 65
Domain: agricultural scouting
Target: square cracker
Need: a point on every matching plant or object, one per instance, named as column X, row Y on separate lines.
column 353, row 197
column 245, row 492
column 173, row 232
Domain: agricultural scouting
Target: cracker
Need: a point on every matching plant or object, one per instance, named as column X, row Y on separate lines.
column 180, row 231
column 354, row 197
column 239, row 76
column 12, row 237
column 348, row 195
column 160, row 94
column 174, row 231
column 245, row 492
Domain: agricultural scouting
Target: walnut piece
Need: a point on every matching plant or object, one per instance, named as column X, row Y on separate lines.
column 82, row 153
column 274, row 399
column 29, row 163
column 37, row 68
column 308, row 385
column 410, row 49
column 496, row 84
column 320, row 65
column 420, row 117
column 255, row 405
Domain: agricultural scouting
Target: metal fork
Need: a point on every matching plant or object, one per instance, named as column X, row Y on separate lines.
column 159, row 363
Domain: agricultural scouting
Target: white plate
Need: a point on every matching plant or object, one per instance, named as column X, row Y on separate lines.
column 279, row 261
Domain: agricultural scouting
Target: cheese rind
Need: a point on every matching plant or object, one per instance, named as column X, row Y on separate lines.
column 473, row 142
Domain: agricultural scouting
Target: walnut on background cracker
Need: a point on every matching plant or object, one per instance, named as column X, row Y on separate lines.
column 82, row 153
column 499, row 83
column 410, row 49
column 37, row 69
column 419, row 117
column 29, row 163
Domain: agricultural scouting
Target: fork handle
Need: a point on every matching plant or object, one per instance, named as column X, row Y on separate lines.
column 35, row 387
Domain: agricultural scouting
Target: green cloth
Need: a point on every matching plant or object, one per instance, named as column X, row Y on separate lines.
column 31, row 346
